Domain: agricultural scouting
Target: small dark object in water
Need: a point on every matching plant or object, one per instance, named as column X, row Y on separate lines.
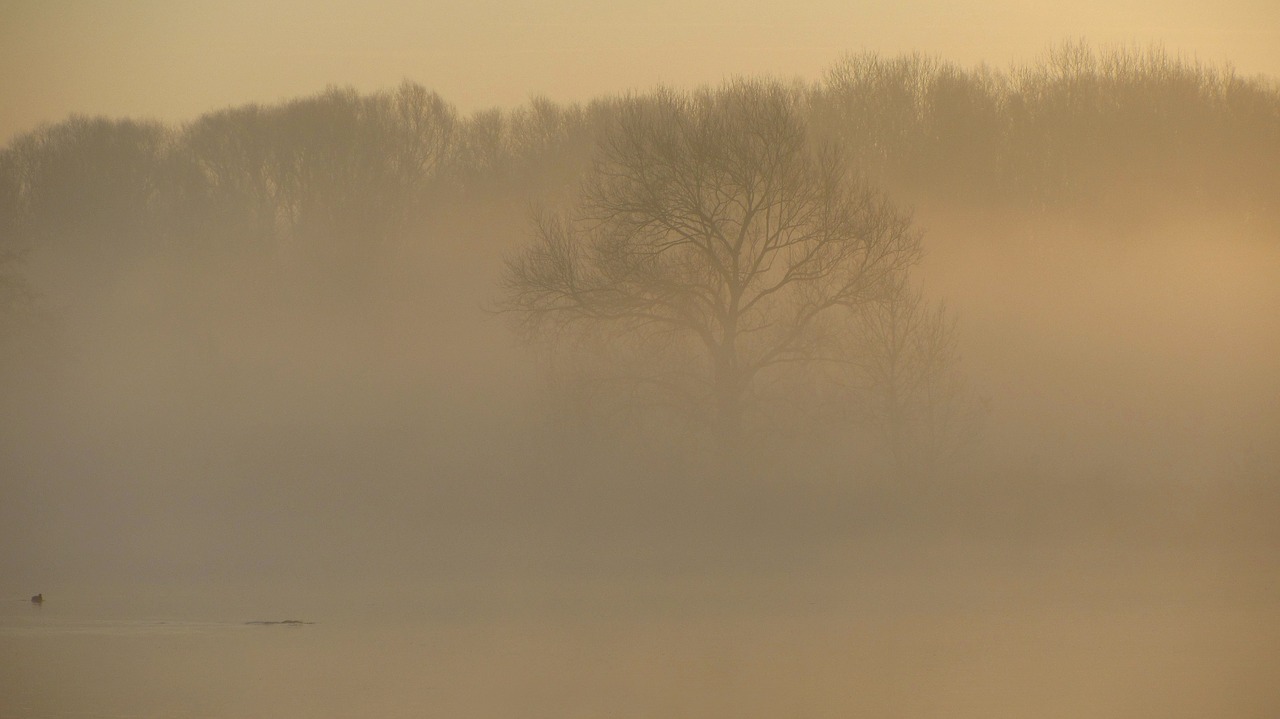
column 38, row 599
column 290, row 622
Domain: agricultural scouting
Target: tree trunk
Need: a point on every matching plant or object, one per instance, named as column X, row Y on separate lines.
column 729, row 389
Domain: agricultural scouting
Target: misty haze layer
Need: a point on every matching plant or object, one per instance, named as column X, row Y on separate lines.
column 258, row 354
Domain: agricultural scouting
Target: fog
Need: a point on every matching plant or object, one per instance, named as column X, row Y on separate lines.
column 264, row 362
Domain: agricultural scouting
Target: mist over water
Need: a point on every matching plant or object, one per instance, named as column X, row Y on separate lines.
column 252, row 371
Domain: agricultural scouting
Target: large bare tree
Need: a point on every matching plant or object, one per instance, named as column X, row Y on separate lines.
column 718, row 246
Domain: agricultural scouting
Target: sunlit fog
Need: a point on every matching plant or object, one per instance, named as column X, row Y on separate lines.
column 729, row 360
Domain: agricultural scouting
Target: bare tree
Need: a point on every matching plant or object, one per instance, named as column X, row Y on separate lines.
column 716, row 242
column 905, row 379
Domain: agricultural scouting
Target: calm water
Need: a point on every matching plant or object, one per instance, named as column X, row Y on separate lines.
column 957, row 639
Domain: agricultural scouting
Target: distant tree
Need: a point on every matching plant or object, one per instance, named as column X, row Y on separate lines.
column 905, row 379
column 87, row 186
column 877, row 109
column 223, row 190
column 329, row 184
column 349, row 171
column 81, row 196
column 17, row 299
column 718, row 246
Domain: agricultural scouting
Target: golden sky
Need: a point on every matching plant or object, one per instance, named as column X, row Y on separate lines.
column 172, row 60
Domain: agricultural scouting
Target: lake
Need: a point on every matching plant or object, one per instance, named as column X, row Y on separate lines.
column 965, row 631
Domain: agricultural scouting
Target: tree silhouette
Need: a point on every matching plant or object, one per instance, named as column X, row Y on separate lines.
column 718, row 246
column 906, row 383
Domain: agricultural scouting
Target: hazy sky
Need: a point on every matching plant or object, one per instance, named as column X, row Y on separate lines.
column 173, row 60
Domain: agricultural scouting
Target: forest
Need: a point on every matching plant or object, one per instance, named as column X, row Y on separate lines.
column 225, row 338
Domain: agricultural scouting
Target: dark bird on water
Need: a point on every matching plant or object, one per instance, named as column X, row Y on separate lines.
column 38, row 599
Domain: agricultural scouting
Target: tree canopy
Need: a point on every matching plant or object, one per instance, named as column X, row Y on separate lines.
column 714, row 236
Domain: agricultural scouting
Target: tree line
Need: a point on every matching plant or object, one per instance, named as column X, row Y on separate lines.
column 717, row 234
column 341, row 173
